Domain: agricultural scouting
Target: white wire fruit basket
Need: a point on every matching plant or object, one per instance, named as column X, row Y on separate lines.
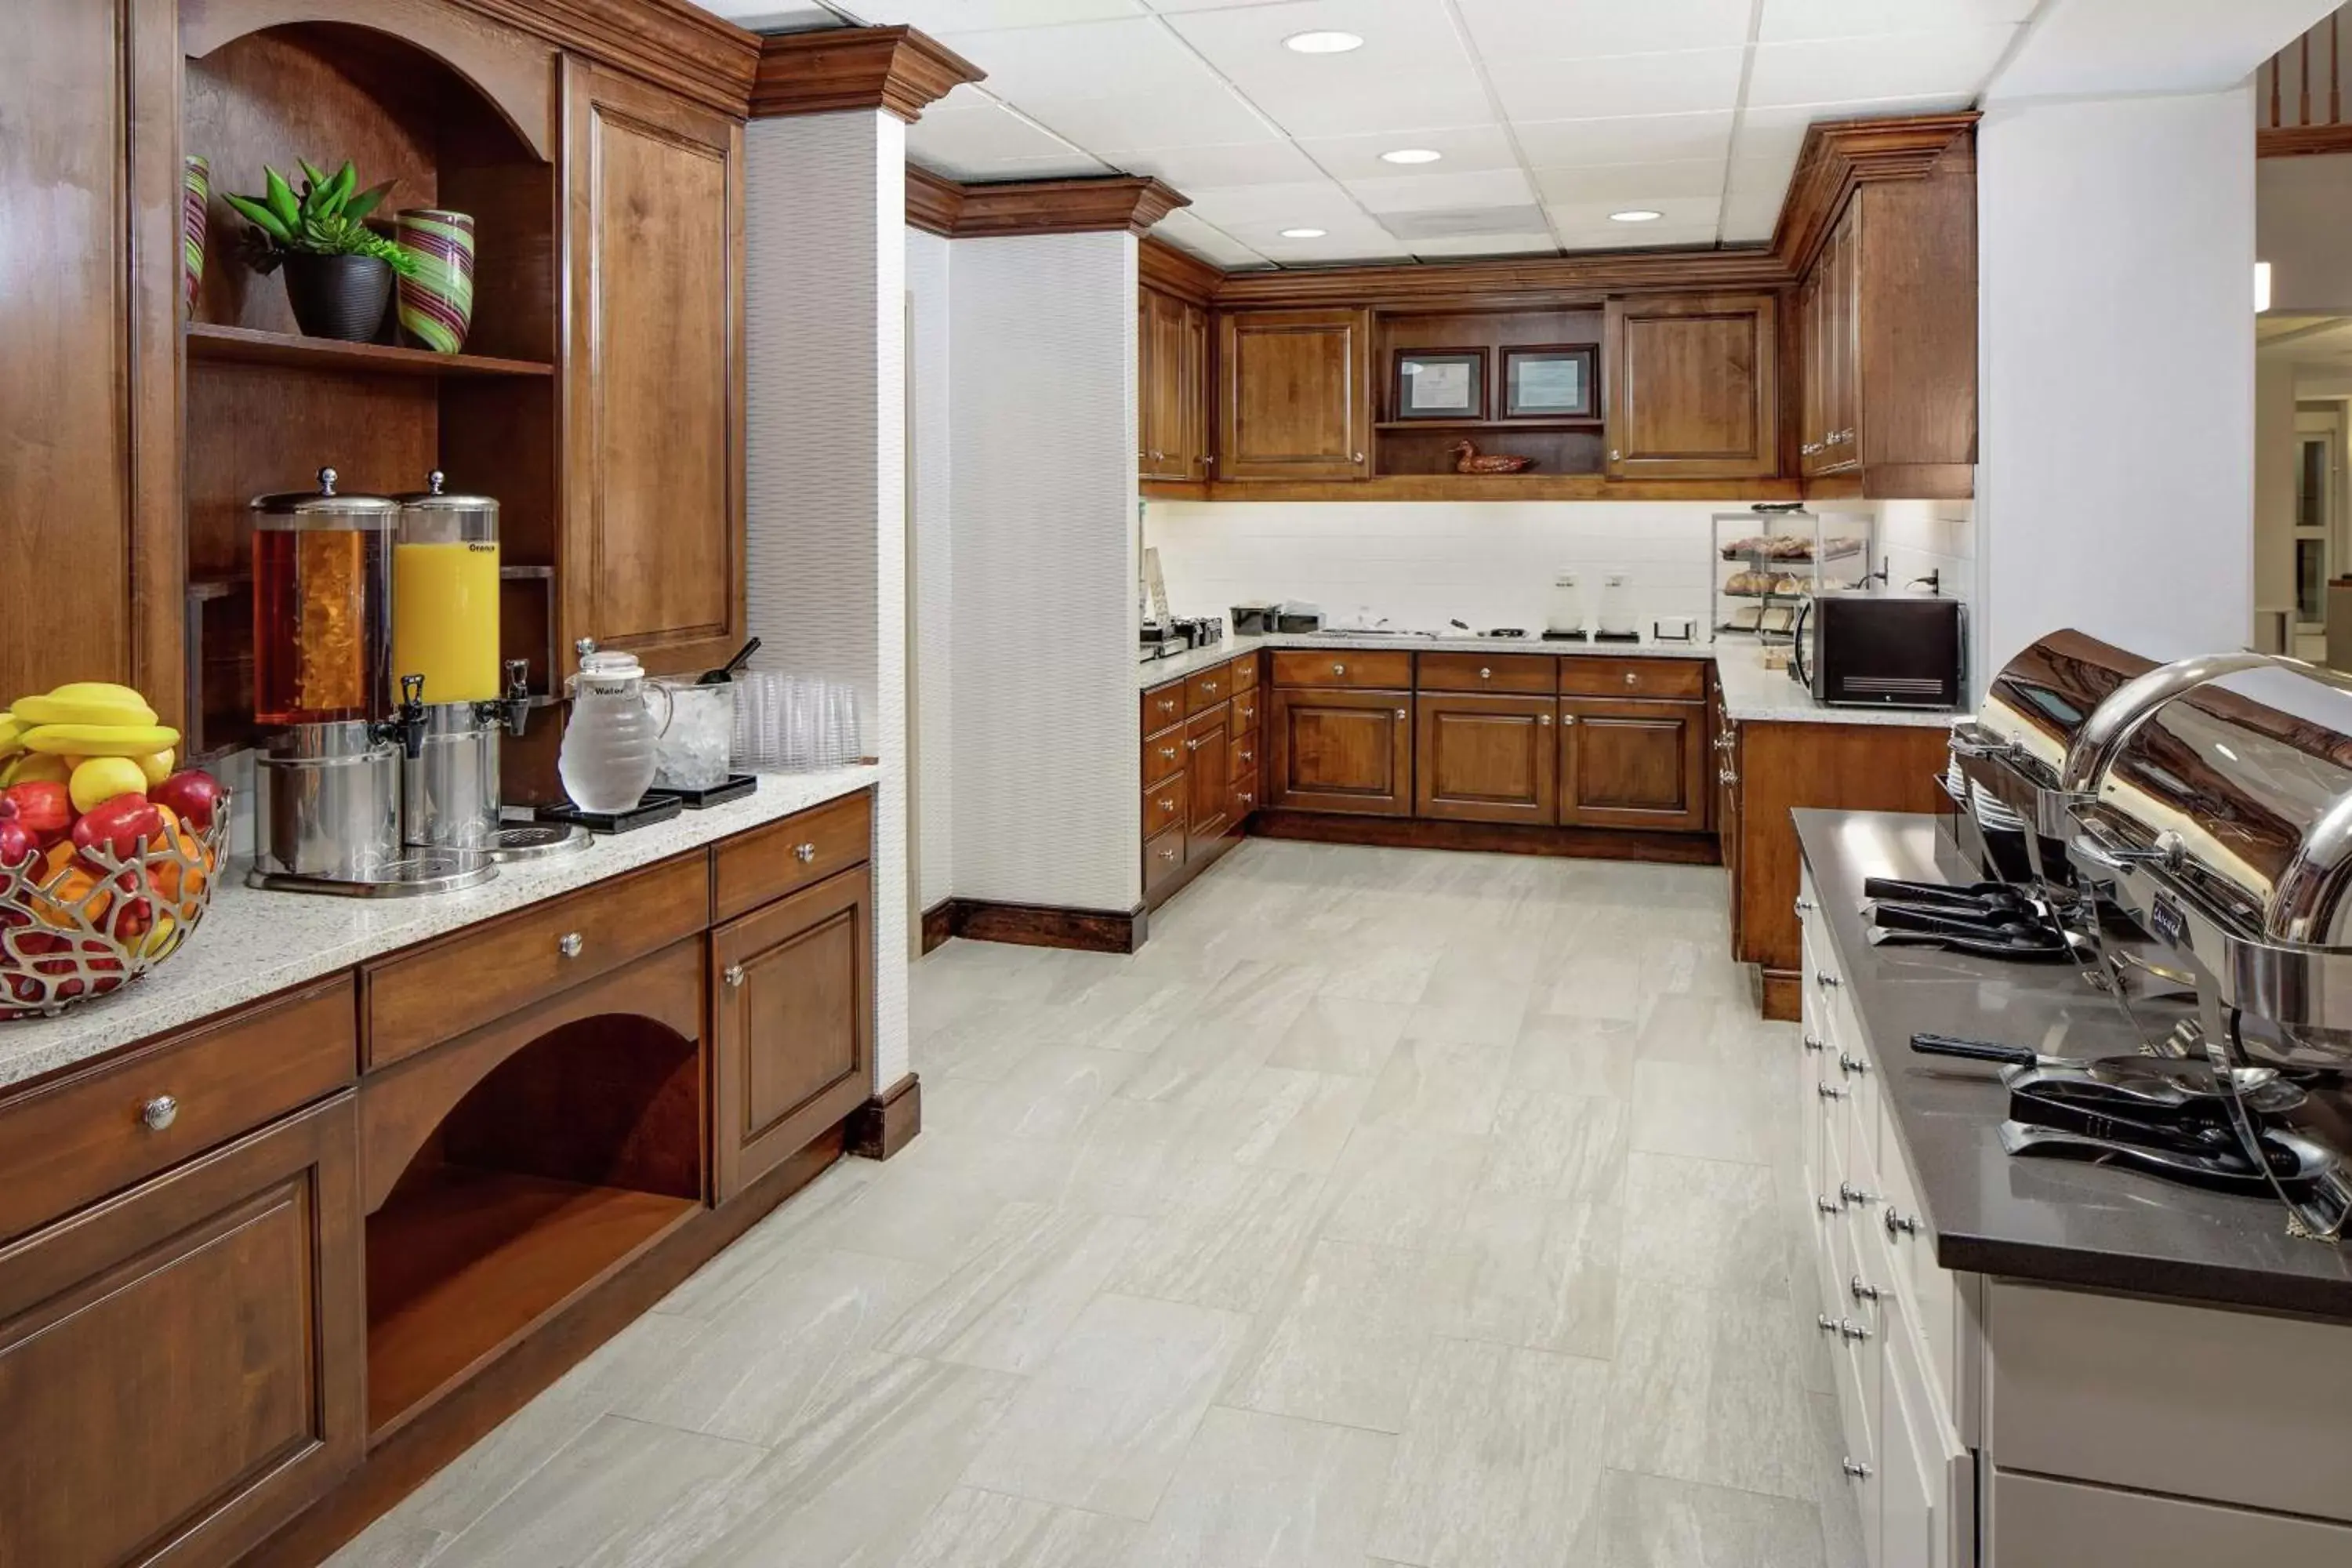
column 93, row 925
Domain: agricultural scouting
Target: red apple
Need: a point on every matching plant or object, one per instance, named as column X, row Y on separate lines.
column 43, row 807
column 119, row 824
column 193, row 793
column 17, row 841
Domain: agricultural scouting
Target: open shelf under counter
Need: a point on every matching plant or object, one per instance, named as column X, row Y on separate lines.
column 1589, row 423
column 251, row 345
column 464, row 1262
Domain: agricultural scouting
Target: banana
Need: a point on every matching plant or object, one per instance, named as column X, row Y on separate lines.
column 102, row 740
column 86, row 703
column 12, row 734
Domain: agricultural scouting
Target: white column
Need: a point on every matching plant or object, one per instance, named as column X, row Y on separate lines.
column 825, row 289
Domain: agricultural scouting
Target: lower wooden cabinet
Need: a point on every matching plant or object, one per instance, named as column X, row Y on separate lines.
column 182, row 1365
column 791, row 989
column 1632, row 764
column 1342, row 750
column 1486, row 759
column 1208, row 767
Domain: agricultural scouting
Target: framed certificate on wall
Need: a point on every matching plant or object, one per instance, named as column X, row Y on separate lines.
column 1552, row 382
column 1441, row 384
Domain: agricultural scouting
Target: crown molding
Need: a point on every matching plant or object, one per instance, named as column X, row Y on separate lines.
column 1586, row 277
column 1162, row 266
column 1841, row 155
column 896, row 68
column 668, row 42
column 1111, row 204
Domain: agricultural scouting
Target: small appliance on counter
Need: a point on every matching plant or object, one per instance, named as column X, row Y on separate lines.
column 1159, row 641
column 1881, row 650
column 1294, row 615
column 1616, row 619
column 1253, row 620
column 1564, row 611
column 1199, row 631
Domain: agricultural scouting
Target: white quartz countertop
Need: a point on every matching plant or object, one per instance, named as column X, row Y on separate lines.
column 253, row 944
column 1750, row 691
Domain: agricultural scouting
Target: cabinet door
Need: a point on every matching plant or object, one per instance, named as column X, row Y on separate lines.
column 1295, row 396
column 1693, row 389
column 181, row 1367
column 1192, row 393
column 1342, row 750
column 1208, row 777
column 1631, row 764
column 1486, row 759
column 1147, row 383
column 652, row 533
column 1728, row 814
column 1160, row 387
column 793, row 992
column 1844, row 296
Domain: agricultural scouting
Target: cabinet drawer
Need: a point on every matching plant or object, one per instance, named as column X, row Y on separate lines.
column 439, row 992
column 2039, row 1521
column 1244, row 754
column 1162, row 857
column 86, row 1135
column 1163, row 807
column 1386, row 669
column 1522, row 673
column 1163, row 706
column 1163, row 758
column 1204, row 689
column 1245, row 712
column 786, row 856
column 1584, row 676
column 2235, row 1407
column 1245, row 673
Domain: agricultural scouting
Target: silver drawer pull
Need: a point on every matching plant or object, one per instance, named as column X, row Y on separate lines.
column 1167, row 805
column 571, row 944
column 1168, row 752
column 1815, row 1043
column 1168, row 705
column 1338, row 670
column 1901, row 1224
column 1724, row 776
column 1248, row 799
column 1804, row 906
column 1632, row 678
column 1824, row 1322
column 1208, row 686
column 1484, row 674
column 1855, row 1197
column 1196, row 745
column 1855, row 1469
column 1827, row 1093
column 1853, row 1064
column 1544, row 718
column 1168, row 853
column 1849, row 1329
column 1249, row 756
column 804, row 853
column 160, row 1112
column 1401, row 714
column 1829, row 1205
column 734, row 975
column 1862, row 1293
column 1567, row 719
column 1827, row 981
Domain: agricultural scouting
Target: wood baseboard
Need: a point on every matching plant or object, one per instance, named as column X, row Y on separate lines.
column 1040, row 925
column 1503, row 837
column 938, row 924
column 413, row 1454
column 887, row 1122
column 1783, row 998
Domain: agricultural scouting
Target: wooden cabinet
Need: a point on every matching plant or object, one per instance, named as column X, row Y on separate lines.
column 653, row 535
column 1632, row 763
column 181, row 1367
column 1208, row 766
column 1341, row 751
column 1486, row 759
column 1172, row 387
column 1692, row 386
column 1294, row 395
column 791, row 989
column 1726, row 753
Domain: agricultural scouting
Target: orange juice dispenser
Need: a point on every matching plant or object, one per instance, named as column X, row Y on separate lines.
column 444, row 627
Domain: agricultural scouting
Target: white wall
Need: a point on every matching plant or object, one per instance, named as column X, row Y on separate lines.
column 2303, row 208
column 2116, row 382
column 931, row 473
column 1047, row 786
column 824, row 303
column 2274, row 464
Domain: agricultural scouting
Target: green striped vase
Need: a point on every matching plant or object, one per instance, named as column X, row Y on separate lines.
column 436, row 306
column 195, row 192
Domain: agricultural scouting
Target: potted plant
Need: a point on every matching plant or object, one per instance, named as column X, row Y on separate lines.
column 338, row 271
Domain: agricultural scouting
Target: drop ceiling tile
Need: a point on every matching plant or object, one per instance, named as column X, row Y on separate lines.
column 1585, row 29
column 1411, row 102
column 774, row 15
column 1689, row 81
column 975, row 131
column 1335, row 251
column 1625, row 139
column 1633, row 185
column 1538, row 243
column 1617, row 236
column 1889, row 65
column 1081, row 60
column 1307, row 204
column 1209, row 116
column 1465, row 147
column 1675, row 213
column 1791, row 20
column 941, row 17
column 1749, row 217
column 1065, row 166
column 1247, row 164
column 1423, row 192
column 1204, row 238
column 1245, row 42
column 1456, row 223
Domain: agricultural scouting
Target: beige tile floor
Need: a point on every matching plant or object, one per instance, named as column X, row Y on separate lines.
column 1389, row 1208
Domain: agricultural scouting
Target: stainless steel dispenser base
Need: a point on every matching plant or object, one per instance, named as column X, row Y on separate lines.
column 426, row 871
column 538, row 841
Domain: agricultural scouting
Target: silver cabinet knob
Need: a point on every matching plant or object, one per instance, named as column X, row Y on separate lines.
column 1632, row 678
column 1401, row 714
column 1359, row 458
column 1809, row 447
column 1804, row 906
column 1724, row 776
column 1568, row 718
column 1248, row 799
column 1850, row 1330
column 1168, row 705
column 1249, row 756
column 1824, row 1322
column 1156, row 456
column 1828, row 1091
column 1543, row 719
column 734, row 975
column 1815, row 1043
column 1168, row 752
column 1208, row 686
column 160, row 1112
column 1486, row 674
column 1827, row 981
column 1166, row 804
column 1853, row 1196
column 1853, row 1064
column 571, row 944
column 1169, row 853
column 1862, row 1293
column 804, row 853
column 1855, row 1469
column 1196, row 745
column 1338, row 670
column 1614, row 454
column 1901, row 1224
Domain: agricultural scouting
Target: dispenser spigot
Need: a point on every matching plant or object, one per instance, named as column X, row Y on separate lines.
column 517, row 703
column 407, row 724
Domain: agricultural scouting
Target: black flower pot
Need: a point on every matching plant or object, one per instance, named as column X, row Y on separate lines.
column 342, row 297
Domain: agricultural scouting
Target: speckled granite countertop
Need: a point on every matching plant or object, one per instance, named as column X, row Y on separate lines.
column 252, row 944
column 1750, row 692
column 2059, row 1222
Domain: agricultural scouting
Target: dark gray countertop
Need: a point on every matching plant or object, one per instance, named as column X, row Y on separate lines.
column 2057, row 1221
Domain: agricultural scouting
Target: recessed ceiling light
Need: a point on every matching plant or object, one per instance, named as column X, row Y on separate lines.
column 1412, row 156
column 1635, row 215
column 1322, row 42
column 1304, row 232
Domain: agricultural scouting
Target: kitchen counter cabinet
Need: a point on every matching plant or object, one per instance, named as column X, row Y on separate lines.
column 1486, row 759
column 1341, row 751
column 1632, row 763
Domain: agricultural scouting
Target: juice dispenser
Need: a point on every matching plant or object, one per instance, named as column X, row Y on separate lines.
column 444, row 627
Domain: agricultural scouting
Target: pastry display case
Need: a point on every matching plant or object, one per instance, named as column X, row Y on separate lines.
column 1769, row 561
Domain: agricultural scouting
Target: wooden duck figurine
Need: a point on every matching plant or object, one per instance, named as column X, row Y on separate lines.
column 1468, row 461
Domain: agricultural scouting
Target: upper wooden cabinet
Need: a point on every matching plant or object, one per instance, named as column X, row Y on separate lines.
column 1693, row 387
column 1294, row 395
column 653, row 546
column 1172, row 388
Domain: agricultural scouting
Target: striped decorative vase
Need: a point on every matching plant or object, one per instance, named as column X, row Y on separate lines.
column 195, row 192
column 436, row 306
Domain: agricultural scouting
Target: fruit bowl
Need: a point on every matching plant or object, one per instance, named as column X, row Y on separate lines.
column 99, row 921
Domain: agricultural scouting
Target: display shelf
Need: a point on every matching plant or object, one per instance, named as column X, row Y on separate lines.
column 252, row 345
column 462, row 1262
column 1591, row 423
